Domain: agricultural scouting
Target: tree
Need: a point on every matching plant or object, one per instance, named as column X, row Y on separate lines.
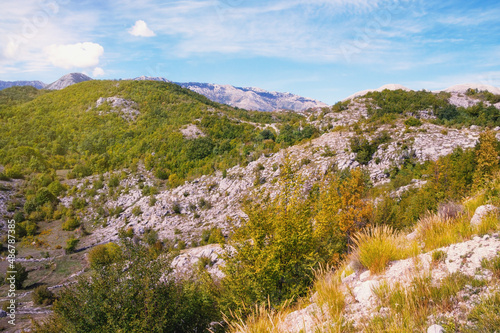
column 342, row 212
column 274, row 249
column 486, row 157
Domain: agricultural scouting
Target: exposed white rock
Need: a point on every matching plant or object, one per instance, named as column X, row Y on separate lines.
column 435, row 329
column 465, row 257
column 481, row 213
column 189, row 258
column 192, row 132
column 126, row 108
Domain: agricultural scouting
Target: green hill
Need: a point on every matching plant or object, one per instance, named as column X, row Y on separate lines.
column 65, row 130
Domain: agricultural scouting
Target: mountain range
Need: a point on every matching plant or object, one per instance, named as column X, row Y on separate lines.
column 249, row 98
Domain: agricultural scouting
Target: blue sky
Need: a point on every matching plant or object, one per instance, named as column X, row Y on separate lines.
column 323, row 49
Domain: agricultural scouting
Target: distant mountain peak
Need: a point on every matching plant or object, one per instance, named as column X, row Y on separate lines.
column 390, row 86
column 68, row 80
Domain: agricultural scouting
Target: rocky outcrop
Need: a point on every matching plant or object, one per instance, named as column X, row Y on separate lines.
column 362, row 303
column 127, row 109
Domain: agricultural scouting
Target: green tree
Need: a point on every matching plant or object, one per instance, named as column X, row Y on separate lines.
column 274, row 249
column 486, row 157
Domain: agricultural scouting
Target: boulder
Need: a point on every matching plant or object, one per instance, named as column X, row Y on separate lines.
column 481, row 213
column 435, row 329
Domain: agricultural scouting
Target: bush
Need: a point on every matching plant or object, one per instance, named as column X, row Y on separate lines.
column 71, row 224
column 71, row 244
column 114, row 181
column 136, row 294
column 43, row 296
column 19, row 277
column 104, row 254
column 412, row 121
column 136, row 210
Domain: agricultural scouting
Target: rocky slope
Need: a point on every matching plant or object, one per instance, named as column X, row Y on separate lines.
column 215, row 200
column 360, row 287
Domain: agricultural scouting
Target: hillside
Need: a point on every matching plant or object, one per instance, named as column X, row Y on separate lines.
column 159, row 171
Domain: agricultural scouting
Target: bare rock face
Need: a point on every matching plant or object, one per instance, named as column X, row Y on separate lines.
column 481, row 213
column 8, row 84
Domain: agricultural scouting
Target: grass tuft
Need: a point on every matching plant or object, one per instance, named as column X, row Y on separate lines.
column 435, row 232
column 379, row 245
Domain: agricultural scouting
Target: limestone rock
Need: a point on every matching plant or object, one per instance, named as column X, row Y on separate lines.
column 481, row 213
column 435, row 329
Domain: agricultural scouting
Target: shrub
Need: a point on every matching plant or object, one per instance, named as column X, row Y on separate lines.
column 43, row 296
column 176, row 207
column 19, row 277
column 136, row 210
column 136, row 294
column 71, row 224
column 14, row 171
column 104, row 254
column 438, row 256
column 29, row 227
column 114, row 181
column 71, row 244
column 412, row 121
column 56, row 188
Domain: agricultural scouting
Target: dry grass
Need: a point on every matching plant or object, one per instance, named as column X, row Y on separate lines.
column 379, row 245
column 435, row 232
column 410, row 306
column 329, row 293
column 262, row 319
column 490, row 223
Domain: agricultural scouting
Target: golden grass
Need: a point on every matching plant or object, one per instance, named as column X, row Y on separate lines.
column 435, row 232
column 262, row 319
column 379, row 245
column 329, row 293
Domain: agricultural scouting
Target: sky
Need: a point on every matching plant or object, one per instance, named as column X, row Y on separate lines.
column 322, row 49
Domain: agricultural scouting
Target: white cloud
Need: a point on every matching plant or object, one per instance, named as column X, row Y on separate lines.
column 140, row 29
column 82, row 55
column 98, row 71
